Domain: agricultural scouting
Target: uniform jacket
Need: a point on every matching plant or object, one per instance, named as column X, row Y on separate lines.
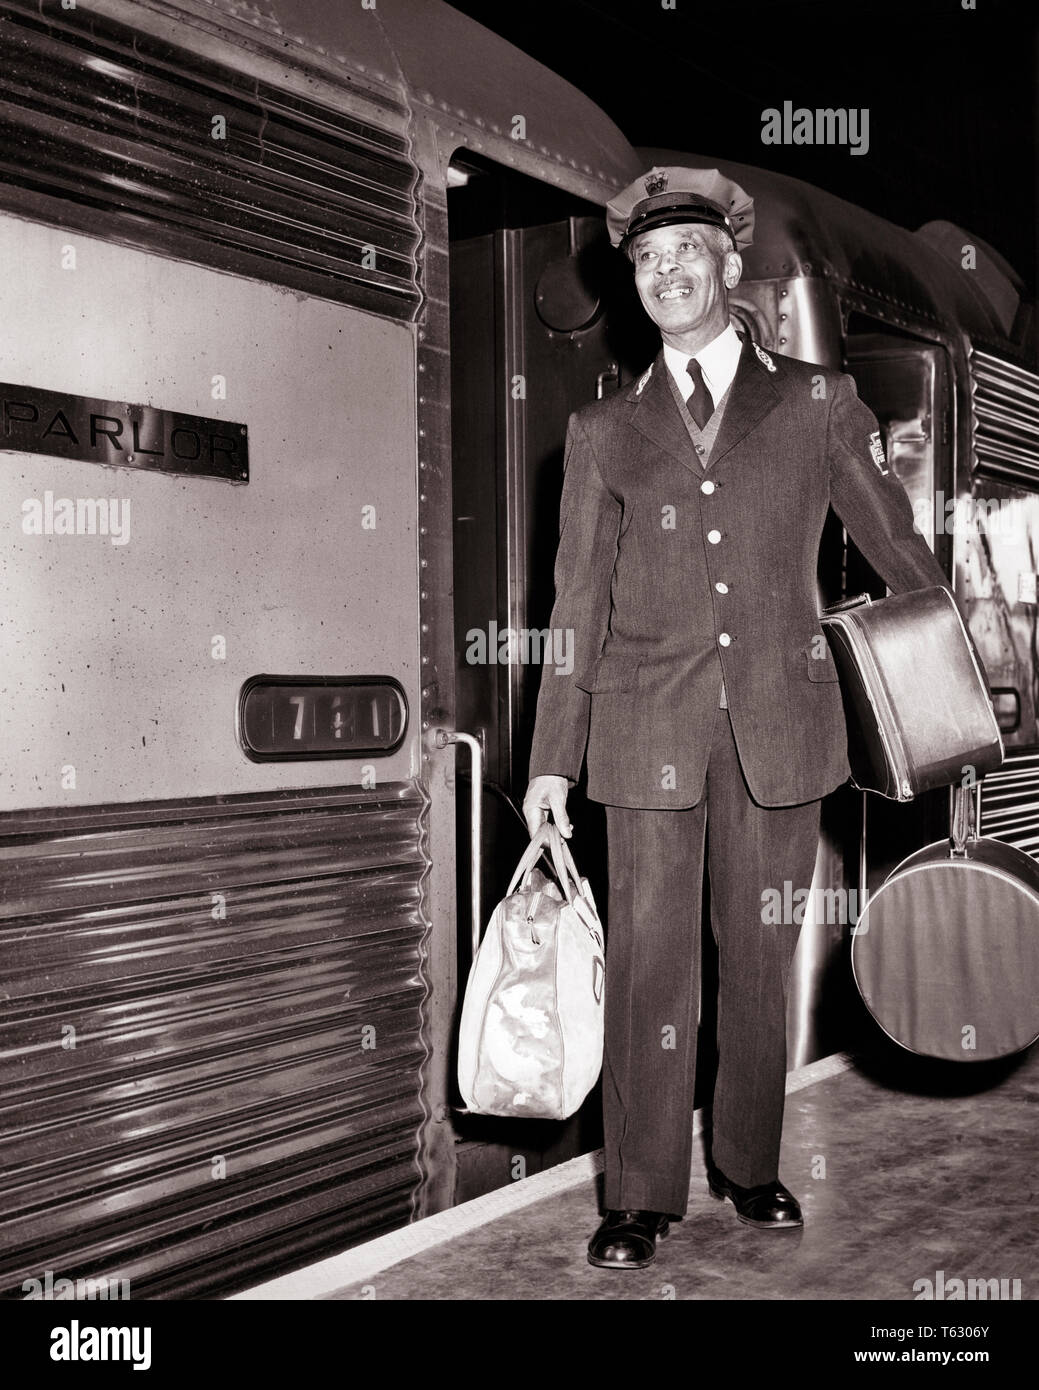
column 669, row 577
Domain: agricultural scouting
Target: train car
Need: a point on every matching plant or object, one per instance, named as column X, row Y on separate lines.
column 298, row 300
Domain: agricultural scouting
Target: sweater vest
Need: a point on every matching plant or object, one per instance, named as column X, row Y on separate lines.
column 702, row 443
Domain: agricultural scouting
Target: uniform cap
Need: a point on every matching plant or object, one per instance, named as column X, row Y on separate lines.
column 668, row 196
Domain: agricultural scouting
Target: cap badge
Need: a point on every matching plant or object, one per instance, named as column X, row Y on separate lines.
column 656, row 183
column 764, row 358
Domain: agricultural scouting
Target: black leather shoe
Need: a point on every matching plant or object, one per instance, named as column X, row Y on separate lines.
column 769, row 1205
column 627, row 1239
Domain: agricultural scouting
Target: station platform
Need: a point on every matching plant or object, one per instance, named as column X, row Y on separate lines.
column 908, row 1171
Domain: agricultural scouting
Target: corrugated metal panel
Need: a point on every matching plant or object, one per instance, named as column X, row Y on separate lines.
column 472, row 83
column 201, row 1038
column 111, row 131
column 1010, row 801
column 1006, row 420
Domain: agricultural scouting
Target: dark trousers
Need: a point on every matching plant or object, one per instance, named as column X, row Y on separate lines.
column 653, row 982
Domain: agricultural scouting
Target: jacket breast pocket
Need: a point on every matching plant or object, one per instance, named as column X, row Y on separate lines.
column 820, row 667
column 612, row 671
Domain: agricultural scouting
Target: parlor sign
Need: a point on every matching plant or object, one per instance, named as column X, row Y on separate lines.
column 121, row 435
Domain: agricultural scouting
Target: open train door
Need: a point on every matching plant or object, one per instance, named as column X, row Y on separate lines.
column 532, row 278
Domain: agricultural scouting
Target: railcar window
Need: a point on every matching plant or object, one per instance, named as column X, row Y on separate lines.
column 289, row 717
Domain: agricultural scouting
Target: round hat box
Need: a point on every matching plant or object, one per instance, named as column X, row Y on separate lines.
column 946, row 953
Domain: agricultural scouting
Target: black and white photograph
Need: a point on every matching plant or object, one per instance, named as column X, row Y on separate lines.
column 519, row 670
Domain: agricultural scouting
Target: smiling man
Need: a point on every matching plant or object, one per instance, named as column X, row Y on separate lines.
column 703, row 696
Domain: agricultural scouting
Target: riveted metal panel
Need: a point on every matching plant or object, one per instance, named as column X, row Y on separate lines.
column 109, row 659
column 468, row 81
column 804, row 231
column 211, row 1046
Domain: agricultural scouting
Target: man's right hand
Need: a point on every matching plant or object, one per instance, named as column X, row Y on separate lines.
column 546, row 794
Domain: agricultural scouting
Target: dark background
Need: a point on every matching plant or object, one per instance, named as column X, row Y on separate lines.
column 951, row 93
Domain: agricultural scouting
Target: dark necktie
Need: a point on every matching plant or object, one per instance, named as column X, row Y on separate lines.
column 701, row 402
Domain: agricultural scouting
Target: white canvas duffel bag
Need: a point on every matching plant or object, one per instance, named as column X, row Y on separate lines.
column 531, row 1035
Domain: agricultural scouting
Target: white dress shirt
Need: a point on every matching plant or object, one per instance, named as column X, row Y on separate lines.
column 718, row 362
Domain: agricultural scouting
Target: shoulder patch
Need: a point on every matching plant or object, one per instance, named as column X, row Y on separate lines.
column 643, row 379
column 764, row 358
column 876, row 450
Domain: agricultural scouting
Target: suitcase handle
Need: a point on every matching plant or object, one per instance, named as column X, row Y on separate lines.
column 846, row 604
column 963, row 830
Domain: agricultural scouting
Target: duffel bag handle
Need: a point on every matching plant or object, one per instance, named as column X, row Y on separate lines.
column 563, row 863
column 530, row 856
column 579, row 896
column 547, row 837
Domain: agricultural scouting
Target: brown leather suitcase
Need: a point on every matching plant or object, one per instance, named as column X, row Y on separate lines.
column 916, row 703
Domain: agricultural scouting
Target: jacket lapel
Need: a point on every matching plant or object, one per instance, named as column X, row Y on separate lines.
column 751, row 397
column 657, row 417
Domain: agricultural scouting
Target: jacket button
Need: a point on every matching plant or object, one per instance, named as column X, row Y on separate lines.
column 700, row 449
column 724, row 639
column 714, row 537
column 707, row 487
column 722, row 588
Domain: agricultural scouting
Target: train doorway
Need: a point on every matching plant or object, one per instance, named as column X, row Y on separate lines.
column 542, row 322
